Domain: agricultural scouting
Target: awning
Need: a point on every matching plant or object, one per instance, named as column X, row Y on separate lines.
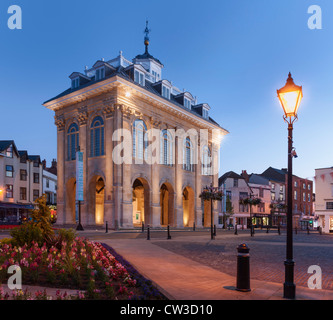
column 7, row 205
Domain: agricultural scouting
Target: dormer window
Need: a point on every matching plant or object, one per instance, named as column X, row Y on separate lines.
column 165, row 92
column 187, row 103
column 75, row 83
column 205, row 113
column 9, row 152
column 156, row 75
column 100, row 74
column 139, row 78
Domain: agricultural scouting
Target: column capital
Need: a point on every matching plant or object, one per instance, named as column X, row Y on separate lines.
column 60, row 122
column 82, row 116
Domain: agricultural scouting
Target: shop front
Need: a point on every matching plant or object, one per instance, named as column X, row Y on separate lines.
column 14, row 213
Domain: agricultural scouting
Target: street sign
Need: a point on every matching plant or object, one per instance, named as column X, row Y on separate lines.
column 79, row 176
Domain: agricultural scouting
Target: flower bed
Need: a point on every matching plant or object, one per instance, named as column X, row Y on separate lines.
column 83, row 265
column 8, row 226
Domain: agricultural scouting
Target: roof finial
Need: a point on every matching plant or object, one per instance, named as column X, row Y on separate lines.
column 146, row 41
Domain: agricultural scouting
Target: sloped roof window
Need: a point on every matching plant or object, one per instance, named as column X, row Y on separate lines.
column 165, row 92
column 75, row 83
column 187, row 103
column 100, row 73
column 139, row 78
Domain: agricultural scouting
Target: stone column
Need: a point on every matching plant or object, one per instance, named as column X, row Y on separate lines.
column 198, row 188
column 179, row 182
column 215, row 177
column 155, row 185
column 108, row 198
column 61, row 199
column 117, row 172
column 127, row 190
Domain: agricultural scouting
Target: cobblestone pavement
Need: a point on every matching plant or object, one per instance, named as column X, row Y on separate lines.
column 267, row 254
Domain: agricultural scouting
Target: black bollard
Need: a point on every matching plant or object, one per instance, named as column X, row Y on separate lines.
column 148, row 233
column 193, row 226
column 236, row 229
column 106, row 227
column 243, row 268
column 308, row 229
column 267, row 231
column 320, row 230
column 215, row 230
column 143, row 227
column 169, row 236
column 279, row 230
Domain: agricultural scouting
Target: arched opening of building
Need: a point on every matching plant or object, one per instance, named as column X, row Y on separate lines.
column 99, row 201
column 141, row 202
column 188, row 207
column 166, row 202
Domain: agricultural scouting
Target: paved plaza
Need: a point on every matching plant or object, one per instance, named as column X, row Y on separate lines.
column 267, row 255
column 191, row 266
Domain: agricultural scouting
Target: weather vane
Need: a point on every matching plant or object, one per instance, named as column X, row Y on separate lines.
column 146, row 32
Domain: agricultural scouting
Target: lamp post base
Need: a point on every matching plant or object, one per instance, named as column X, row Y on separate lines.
column 289, row 287
column 79, row 227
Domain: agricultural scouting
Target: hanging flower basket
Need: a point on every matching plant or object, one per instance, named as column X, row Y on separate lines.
column 211, row 193
column 250, row 201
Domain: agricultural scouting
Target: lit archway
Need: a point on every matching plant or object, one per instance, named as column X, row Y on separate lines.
column 99, row 201
column 188, row 207
column 167, row 204
column 141, row 202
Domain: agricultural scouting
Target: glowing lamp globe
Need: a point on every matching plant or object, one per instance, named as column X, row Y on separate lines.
column 290, row 97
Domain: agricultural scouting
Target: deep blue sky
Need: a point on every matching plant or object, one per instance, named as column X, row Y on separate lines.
column 230, row 54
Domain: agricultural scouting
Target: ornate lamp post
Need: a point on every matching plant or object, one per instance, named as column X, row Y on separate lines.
column 290, row 97
column 210, row 194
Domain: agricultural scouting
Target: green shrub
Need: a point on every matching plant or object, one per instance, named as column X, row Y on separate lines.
column 6, row 241
column 26, row 234
column 66, row 235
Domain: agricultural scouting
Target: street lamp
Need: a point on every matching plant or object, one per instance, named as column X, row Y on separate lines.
column 290, row 97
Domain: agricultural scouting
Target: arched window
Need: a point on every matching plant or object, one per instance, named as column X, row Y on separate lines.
column 72, row 141
column 206, row 161
column 188, row 155
column 140, row 141
column 166, row 148
column 97, row 137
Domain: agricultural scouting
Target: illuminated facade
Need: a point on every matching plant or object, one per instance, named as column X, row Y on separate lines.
column 120, row 95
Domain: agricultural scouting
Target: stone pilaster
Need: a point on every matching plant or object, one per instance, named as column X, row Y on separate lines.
column 108, row 112
column 61, row 198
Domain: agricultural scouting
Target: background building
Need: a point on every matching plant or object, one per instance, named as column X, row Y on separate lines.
column 236, row 188
column 20, row 182
column 302, row 195
column 324, row 198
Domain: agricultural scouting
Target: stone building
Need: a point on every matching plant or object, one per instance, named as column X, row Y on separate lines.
column 115, row 104
column 324, row 198
column 20, row 182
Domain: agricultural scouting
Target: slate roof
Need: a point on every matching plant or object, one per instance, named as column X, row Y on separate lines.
column 230, row 174
column 275, row 174
column 120, row 72
column 147, row 55
column 258, row 179
column 4, row 144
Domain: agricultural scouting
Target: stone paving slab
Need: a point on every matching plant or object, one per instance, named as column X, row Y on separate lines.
column 184, row 279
